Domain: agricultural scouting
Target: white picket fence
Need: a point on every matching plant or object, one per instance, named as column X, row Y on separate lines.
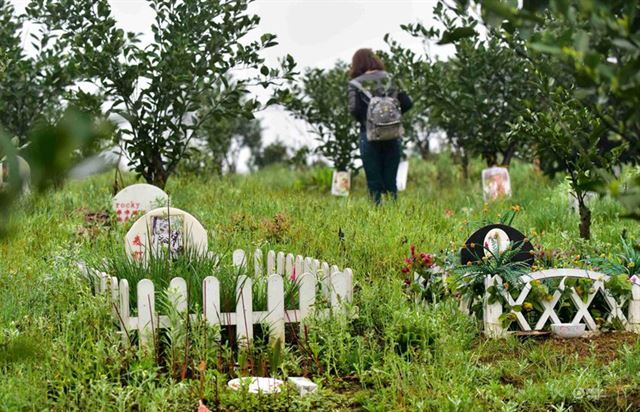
column 492, row 312
column 313, row 276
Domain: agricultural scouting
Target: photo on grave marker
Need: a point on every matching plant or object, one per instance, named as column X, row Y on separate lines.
column 504, row 236
column 167, row 234
column 495, row 183
column 341, row 184
column 496, row 242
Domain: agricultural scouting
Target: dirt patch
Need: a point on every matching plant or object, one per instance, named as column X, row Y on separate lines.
column 604, row 347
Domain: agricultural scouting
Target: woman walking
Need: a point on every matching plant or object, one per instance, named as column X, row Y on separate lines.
column 377, row 104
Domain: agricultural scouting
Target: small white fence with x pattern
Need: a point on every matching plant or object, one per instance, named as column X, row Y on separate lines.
column 493, row 311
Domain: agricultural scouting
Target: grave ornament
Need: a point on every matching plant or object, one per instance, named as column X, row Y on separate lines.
column 136, row 200
column 496, row 238
column 165, row 232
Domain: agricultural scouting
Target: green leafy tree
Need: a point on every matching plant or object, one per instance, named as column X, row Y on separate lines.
column 219, row 144
column 273, row 153
column 477, row 94
column 158, row 90
column 36, row 86
column 567, row 137
column 598, row 44
column 321, row 100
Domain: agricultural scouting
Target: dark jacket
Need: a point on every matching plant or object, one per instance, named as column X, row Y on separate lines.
column 376, row 82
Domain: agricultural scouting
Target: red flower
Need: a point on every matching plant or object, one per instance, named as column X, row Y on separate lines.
column 407, row 281
column 408, row 261
column 413, row 250
column 405, row 270
column 427, row 259
column 293, row 275
column 137, row 241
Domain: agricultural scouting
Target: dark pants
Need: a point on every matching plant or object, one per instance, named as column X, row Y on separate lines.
column 380, row 161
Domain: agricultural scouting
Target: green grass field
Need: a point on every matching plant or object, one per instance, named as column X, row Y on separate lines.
column 59, row 349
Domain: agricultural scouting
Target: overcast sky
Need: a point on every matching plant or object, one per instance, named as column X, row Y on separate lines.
column 314, row 32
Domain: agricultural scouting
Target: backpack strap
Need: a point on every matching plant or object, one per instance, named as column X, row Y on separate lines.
column 360, row 87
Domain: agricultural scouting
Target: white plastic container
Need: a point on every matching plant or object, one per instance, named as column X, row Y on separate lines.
column 256, row 385
column 568, row 330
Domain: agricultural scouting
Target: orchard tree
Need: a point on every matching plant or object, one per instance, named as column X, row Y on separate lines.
column 567, row 138
column 273, row 153
column 321, row 100
column 478, row 93
column 598, row 44
column 34, row 86
column 157, row 90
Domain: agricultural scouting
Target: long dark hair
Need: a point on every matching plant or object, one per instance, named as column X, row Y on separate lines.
column 364, row 60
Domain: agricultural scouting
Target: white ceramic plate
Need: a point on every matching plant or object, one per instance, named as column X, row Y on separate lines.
column 255, row 385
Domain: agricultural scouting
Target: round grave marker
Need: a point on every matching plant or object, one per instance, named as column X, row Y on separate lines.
column 496, row 237
column 137, row 199
column 165, row 231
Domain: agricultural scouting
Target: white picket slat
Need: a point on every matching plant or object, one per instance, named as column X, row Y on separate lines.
column 125, row 311
column 146, row 311
column 289, row 262
column 299, row 266
column 239, row 259
column 324, row 276
column 115, row 295
column 280, row 263
column 307, row 294
column 244, row 310
column 257, row 262
column 349, row 274
column 634, row 310
column 271, row 262
column 211, row 300
column 338, row 289
column 275, row 307
column 178, row 294
column 308, row 265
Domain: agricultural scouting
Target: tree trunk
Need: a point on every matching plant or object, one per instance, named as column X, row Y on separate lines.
column 585, row 217
column 464, row 161
column 508, row 155
column 424, row 148
column 156, row 174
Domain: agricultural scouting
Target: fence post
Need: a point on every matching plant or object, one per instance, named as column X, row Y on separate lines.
column 492, row 311
column 349, row 274
column 125, row 311
column 147, row 320
column 211, row 300
column 634, row 310
column 244, row 311
column 339, row 289
column 275, row 307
